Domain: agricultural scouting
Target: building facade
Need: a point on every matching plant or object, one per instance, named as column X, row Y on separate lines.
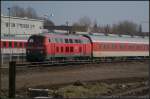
column 20, row 26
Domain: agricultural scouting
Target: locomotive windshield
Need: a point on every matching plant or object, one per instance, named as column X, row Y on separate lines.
column 35, row 50
column 36, row 40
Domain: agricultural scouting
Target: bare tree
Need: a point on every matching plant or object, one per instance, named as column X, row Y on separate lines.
column 125, row 27
column 31, row 13
column 17, row 11
column 77, row 27
column 95, row 27
column 85, row 21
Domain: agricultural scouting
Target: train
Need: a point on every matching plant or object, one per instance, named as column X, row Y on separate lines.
column 90, row 46
column 13, row 49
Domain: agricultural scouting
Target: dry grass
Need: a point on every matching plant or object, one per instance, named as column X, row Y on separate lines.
column 83, row 91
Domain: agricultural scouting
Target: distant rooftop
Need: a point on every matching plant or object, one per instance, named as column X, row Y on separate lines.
column 25, row 18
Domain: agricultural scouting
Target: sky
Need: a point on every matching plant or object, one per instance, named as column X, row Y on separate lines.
column 104, row 12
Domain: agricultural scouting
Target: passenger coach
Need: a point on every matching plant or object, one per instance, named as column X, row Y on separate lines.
column 115, row 46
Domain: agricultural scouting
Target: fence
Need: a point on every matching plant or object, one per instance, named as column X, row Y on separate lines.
column 5, row 58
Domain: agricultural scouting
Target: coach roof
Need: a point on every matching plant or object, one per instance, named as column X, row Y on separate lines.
column 116, row 38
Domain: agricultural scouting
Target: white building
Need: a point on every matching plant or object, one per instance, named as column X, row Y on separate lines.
column 20, row 26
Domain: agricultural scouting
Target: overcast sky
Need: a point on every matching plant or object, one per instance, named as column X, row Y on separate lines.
column 104, row 12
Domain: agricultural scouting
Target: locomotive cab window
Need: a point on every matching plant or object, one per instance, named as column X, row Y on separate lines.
column 36, row 40
column 66, row 41
column 76, row 41
column 70, row 41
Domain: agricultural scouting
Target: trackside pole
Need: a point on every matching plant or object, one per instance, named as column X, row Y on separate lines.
column 12, row 79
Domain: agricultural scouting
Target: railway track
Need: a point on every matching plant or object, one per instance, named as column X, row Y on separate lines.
column 66, row 63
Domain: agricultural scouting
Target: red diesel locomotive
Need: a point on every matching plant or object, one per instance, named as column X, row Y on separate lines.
column 57, row 46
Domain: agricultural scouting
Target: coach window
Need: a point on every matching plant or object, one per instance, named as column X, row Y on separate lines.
column 24, row 45
column 105, row 46
column 121, row 46
column 140, row 47
column 113, row 46
column 4, row 44
column 137, row 47
column 15, row 44
column 147, row 47
column 130, row 46
column 10, row 44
